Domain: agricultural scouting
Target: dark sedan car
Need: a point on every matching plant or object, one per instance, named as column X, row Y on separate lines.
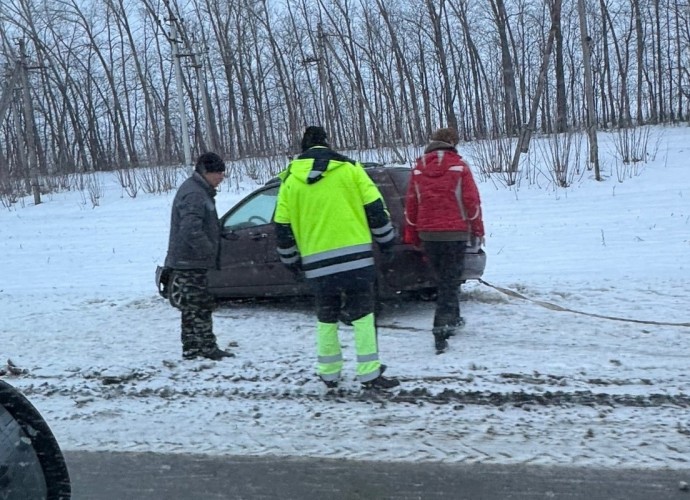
column 249, row 266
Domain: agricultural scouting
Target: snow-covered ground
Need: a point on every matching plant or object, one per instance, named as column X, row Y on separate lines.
column 97, row 351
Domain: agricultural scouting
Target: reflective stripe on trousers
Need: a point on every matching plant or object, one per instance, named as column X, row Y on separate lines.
column 368, row 364
column 330, row 358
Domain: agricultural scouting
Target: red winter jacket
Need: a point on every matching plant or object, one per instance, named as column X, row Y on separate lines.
column 442, row 195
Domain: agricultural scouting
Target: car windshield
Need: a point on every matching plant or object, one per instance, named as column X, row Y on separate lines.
column 254, row 211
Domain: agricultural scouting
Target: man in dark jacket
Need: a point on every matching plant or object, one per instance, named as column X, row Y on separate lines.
column 193, row 250
column 443, row 210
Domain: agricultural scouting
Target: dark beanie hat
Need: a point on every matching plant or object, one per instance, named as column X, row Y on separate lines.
column 209, row 162
column 314, row 136
column 448, row 135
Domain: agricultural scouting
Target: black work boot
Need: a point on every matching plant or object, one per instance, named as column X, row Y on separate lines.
column 216, row 354
column 440, row 341
column 451, row 329
column 381, row 382
column 330, row 384
column 191, row 354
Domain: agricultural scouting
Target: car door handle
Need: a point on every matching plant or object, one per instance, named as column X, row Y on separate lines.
column 259, row 236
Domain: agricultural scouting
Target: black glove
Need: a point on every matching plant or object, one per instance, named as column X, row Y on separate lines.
column 387, row 247
column 387, row 255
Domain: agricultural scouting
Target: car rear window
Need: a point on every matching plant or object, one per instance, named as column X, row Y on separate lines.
column 400, row 177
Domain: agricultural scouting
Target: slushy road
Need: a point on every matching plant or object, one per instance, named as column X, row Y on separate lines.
column 144, row 476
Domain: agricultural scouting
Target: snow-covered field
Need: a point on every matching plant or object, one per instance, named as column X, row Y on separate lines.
column 97, row 351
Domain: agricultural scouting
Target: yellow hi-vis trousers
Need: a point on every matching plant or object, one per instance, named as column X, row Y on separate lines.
column 330, row 356
column 368, row 363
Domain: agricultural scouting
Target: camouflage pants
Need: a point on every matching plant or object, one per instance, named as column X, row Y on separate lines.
column 196, row 305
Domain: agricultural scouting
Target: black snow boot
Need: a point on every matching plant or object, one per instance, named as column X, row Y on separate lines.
column 216, row 354
column 440, row 341
column 452, row 329
column 330, row 384
column 381, row 383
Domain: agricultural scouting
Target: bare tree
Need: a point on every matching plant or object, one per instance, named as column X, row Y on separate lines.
column 525, row 136
column 435, row 19
column 511, row 109
column 561, row 99
column 376, row 74
column 589, row 91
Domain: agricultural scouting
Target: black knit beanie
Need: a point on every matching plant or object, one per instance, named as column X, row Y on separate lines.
column 209, row 162
column 314, row 136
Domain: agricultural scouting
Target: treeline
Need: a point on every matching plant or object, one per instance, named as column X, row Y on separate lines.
column 103, row 93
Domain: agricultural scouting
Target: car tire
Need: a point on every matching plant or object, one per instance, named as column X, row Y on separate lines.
column 28, row 449
column 174, row 291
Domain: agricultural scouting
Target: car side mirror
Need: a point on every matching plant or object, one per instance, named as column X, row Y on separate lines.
column 31, row 462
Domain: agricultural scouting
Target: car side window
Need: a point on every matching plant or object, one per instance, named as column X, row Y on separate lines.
column 254, row 211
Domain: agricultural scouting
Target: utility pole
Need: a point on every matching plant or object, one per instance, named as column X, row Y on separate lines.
column 177, row 38
column 29, row 125
column 205, row 101
column 21, row 153
column 180, row 94
column 319, row 59
column 323, row 82
column 6, row 93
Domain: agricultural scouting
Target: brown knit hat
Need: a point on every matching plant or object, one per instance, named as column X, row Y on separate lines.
column 448, row 135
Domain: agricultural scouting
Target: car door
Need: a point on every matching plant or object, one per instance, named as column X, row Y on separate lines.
column 248, row 264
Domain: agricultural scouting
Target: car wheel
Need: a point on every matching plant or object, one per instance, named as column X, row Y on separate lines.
column 174, row 291
column 32, row 464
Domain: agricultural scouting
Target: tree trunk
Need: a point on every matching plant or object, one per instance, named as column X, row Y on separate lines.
column 526, row 134
column 589, row 90
column 561, row 99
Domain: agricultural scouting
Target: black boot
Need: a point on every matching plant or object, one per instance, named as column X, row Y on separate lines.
column 216, row 354
column 440, row 341
column 191, row 354
column 451, row 329
column 381, row 383
column 330, row 384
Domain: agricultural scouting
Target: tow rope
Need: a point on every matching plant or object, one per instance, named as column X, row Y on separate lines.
column 554, row 307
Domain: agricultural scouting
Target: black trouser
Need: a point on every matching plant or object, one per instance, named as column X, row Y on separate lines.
column 348, row 295
column 447, row 260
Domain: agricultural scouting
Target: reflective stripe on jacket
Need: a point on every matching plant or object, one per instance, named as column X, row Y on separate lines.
column 442, row 194
column 331, row 207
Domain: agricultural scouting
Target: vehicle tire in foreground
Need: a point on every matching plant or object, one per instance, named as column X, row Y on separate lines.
column 31, row 462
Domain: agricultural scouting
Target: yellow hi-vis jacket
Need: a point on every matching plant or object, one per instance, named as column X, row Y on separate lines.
column 328, row 208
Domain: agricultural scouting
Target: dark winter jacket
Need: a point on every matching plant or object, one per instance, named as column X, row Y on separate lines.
column 194, row 226
column 442, row 197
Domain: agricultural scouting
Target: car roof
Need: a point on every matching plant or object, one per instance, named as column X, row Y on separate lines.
column 370, row 166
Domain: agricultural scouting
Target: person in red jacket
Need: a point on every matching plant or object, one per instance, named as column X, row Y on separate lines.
column 443, row 212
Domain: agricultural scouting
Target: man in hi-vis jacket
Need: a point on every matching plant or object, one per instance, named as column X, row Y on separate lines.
column 328, row 214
